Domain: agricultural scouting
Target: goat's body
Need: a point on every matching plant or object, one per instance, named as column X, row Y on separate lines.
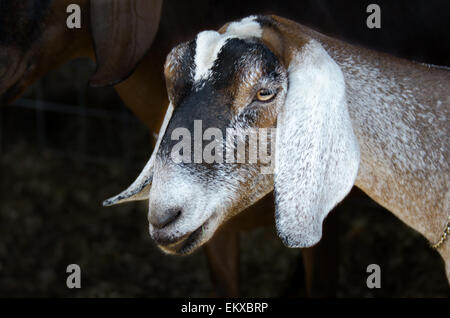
column 335, row 110
column 399, row 110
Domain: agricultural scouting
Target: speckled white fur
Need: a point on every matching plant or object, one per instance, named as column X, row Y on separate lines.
column 402, row 127
column 317, row 154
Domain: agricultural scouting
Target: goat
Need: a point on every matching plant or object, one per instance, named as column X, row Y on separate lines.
column 344, row 116
column 26, row 56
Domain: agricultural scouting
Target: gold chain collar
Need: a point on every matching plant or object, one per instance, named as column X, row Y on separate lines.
column 443, row 236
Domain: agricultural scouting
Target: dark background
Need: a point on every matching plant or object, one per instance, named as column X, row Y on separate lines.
column 64, row 147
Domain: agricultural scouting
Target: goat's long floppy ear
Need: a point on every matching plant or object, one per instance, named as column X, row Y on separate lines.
column 140, row 188
column 317, row 154
column 123, row 31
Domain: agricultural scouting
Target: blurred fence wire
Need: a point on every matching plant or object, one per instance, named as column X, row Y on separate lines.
column 78, row 147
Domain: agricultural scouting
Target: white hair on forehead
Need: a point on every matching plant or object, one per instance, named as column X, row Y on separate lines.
column 209, row 44
column 247, row 27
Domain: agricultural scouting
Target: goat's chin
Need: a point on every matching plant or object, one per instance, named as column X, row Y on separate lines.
column 189, row 243
column 187, row 246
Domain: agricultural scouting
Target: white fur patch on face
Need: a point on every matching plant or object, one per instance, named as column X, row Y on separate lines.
column 209, row 44
column 247, row 27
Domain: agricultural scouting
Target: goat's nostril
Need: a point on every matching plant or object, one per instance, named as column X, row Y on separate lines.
column 167, row 217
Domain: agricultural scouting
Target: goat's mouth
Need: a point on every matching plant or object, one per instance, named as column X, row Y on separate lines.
column 188, row 243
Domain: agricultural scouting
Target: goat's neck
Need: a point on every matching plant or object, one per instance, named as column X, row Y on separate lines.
column 399, row 111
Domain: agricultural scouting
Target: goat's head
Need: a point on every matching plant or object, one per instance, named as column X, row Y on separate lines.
column 34, row 38
column 251, row 76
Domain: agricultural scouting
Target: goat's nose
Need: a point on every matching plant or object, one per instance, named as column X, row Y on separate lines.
column 161, row 220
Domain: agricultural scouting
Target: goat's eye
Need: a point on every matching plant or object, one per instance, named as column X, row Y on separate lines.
column 265, row 95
